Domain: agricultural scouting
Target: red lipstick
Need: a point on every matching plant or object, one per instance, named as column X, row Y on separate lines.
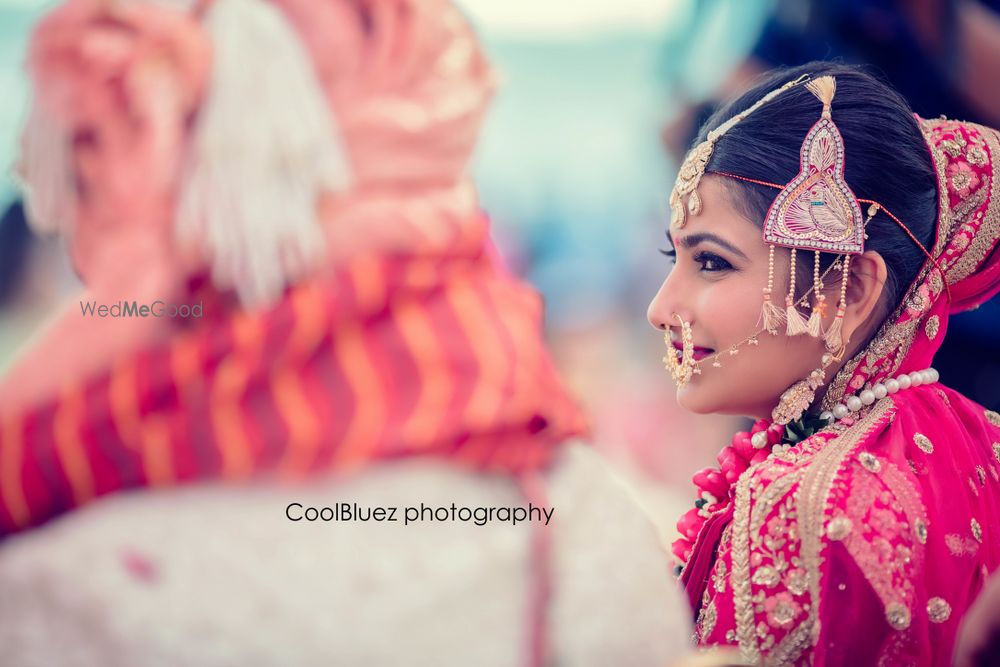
column 699, row 352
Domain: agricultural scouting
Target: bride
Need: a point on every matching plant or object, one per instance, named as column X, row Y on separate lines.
column 822, row 234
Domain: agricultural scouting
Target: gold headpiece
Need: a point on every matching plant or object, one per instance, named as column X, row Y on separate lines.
column 693, row 167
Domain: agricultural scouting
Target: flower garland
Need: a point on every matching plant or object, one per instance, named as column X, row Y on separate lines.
column 748, row 448
column 764, row 438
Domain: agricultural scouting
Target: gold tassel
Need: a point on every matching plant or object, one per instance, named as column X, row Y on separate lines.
column 834, row 335
column 795, row 324
column 824, row 89
column 772, row 316
column 815, row 324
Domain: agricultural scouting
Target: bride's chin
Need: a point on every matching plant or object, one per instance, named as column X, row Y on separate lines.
column 698, row 400
column 693, row 399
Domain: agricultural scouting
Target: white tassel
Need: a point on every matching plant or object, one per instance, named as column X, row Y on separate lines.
column 44, row 172
column 834, row 335
column 772, row 316
column 795, row 324
column 264, row 149
column 815, row 323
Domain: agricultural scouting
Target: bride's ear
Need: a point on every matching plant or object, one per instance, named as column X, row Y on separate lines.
column 865, row 289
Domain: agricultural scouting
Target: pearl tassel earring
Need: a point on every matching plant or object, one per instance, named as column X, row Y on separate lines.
column 795, row 324
column 813, row 328
column 834, row 335
column 771, row 315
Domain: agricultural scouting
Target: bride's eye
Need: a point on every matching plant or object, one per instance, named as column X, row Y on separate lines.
column 712, row 263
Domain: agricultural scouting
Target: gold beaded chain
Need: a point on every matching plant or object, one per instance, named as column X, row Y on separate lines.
column 753, row 339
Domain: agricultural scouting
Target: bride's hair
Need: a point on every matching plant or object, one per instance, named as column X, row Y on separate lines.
column 886, row 159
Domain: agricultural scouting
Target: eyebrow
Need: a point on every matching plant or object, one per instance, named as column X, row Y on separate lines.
column 691, row 240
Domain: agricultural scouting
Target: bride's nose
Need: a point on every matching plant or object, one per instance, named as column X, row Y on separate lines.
column 664, row 308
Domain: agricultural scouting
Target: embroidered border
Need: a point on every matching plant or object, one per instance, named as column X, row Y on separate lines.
column 983, row 239
column 815, row 492
column 740, row 578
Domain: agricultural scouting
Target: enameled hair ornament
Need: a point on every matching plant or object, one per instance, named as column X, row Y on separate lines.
column 816, row 211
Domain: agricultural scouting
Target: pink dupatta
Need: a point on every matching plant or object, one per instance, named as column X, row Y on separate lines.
column 867, row 543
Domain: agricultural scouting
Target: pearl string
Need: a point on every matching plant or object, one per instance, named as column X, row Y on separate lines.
column 880, row 391
column 855, row 402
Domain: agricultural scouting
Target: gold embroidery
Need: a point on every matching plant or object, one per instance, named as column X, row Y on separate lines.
column 953, row 147
column 976, row 156
column 931, row 328
column 924, row 443
column 920, row 530
column 898, row 615
column 977, row 531
column 996, row 451
column 988, row 231
column 941, row 168
column 772, row 495
column 960, row 180
column 993, row 418
column 740, row 580
column 870, row 462
column 884, row 507
column 959, row 545
column 707, row 620
column 766, row 576
column 882, row 357
column 791, row 646
column 814, row 493
column 719, row 577
column 938, row 610
column 981, row 471
column 782, row 610
column 838, row 528
column 936, row 283
column 796, row 581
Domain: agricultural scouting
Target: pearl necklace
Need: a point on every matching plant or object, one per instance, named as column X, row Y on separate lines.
column 880, row 391
column 867, row 397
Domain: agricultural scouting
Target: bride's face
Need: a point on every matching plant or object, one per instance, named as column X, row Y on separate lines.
column 716, row 286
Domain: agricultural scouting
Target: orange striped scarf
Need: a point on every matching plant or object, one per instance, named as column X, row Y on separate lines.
column 392, row 357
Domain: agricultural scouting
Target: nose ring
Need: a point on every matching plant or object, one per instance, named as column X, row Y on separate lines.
column 681, row 369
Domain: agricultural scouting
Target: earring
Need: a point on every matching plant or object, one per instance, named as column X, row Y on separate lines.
column 797, row 398
column 683, row 368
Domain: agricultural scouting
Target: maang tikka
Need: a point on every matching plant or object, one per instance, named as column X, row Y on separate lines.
column 816, row 211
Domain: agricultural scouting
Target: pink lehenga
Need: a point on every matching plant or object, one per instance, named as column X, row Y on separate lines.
column 866, row 543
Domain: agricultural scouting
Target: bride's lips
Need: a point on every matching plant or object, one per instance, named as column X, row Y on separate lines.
column 699, row 352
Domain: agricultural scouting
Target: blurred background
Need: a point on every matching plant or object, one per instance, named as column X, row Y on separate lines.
column 597, row 103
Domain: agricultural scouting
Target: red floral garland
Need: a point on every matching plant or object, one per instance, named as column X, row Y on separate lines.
column 714, row 484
